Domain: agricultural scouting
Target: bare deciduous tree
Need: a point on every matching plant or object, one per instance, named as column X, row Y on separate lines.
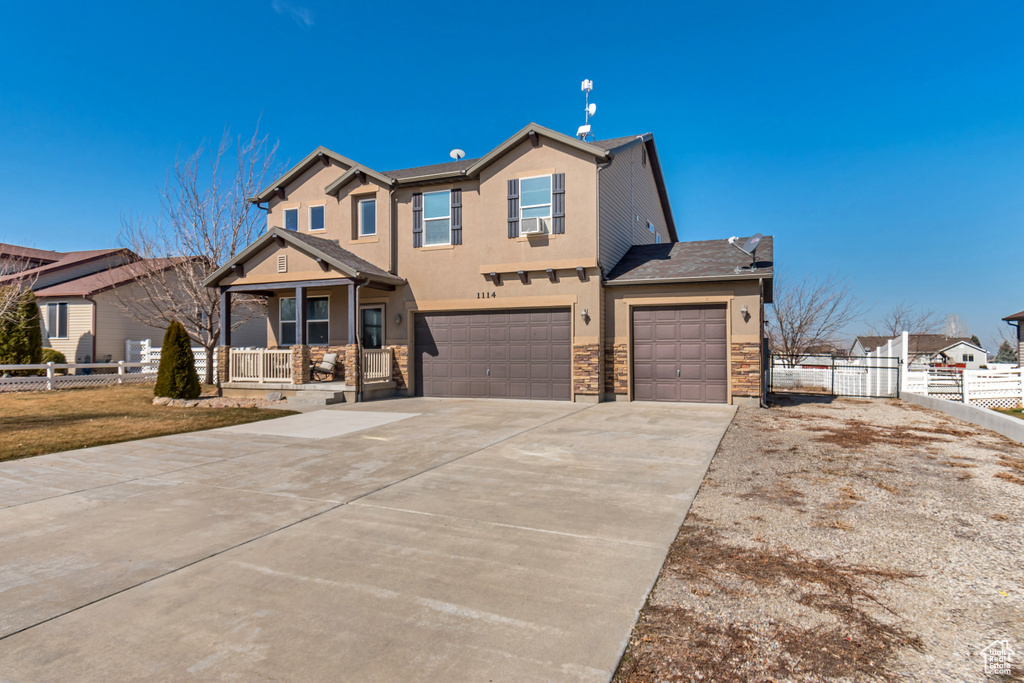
column 205, row 220
column 809, row 313
column 13, row 289
column 904, row 317
column 955, row 326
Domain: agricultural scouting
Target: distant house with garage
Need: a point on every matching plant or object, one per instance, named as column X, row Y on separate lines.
column 930, row 350
column 549, row 267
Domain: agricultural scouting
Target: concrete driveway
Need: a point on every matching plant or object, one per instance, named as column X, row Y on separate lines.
column 416, row 539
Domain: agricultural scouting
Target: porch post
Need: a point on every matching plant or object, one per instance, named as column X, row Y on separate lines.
column 225, row 317
column 300, row 316
column 352, row 311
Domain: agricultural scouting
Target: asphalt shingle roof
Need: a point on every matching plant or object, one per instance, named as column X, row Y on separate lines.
column 335, row 251
column 918, row 343
column 108, row 279
column 689, row 260
column 68, row 259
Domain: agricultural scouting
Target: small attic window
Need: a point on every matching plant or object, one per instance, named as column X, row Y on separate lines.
column 282, row 263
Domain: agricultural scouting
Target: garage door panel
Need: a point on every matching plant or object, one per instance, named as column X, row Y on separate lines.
column 679, row 353
column 528, row 353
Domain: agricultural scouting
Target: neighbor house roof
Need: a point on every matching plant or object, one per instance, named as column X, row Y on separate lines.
column 919, row 343
column 66, row 260
column 1015, row 316
column 330, row 251
column 109, row 279
column 28, row 253
column 686, row 261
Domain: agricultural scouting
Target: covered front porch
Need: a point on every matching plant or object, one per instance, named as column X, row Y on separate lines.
column 326, row 328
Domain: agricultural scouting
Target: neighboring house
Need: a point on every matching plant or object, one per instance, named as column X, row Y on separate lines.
column 930, row 349
column 548, row 268
column 1015, row 320
column 80, row 294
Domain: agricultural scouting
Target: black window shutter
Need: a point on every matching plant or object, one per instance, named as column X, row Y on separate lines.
column 417, row 220
column 513, row 209
column 456, row 216
column 558, row 203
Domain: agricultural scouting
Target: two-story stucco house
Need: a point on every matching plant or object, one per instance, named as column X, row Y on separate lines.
column 548, row 268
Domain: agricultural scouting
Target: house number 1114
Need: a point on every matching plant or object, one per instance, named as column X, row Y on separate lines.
column 486, row 295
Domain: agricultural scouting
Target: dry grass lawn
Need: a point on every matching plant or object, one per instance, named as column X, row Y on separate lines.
column 34, row 423
column 842, row 540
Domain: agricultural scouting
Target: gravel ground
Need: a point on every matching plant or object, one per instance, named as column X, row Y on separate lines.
column 842, row 540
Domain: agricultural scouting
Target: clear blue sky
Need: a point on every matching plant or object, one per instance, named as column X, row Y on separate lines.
column 883, row 141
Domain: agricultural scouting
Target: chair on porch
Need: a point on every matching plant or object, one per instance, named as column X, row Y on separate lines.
column 325, row 367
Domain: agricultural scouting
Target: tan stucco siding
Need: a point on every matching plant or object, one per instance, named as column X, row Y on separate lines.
column 339, row 211
column 338, row 314
column 629, row 201
column 263, row 267
column 79, row 341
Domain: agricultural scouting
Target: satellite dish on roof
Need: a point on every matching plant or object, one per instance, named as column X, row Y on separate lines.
column 750, row 249
column 456, row 154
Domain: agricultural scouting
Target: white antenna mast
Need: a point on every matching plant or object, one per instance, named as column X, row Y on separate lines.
column 583, row 132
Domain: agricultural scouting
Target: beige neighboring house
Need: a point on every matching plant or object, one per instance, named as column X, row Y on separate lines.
column 80, row 294
column 548, row 268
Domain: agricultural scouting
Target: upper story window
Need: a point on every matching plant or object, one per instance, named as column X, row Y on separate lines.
column 437, row 223
column 57, row 320
column 367, row 216
column 291, row 219
column 535, row 197
column 316, row 218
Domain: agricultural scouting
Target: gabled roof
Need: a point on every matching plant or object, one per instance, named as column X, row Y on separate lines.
column 109, row 279
column 432, row 169
column 71, row 258
column 314, row 157
column 688, row 261
column 351, row 173
column 28, row 253
column 330, row 251
column 1015, row 316
column 524, row 133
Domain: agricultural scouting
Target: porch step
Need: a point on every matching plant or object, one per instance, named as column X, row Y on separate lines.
column 322, row 397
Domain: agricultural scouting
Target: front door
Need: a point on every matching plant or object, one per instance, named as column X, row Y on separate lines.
column 371, row 322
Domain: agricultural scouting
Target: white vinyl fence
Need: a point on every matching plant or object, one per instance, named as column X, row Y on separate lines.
column 144, row 352
column 74, row 375
column 1002, row 388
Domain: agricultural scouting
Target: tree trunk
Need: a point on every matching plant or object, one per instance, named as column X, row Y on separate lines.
column 210, row 356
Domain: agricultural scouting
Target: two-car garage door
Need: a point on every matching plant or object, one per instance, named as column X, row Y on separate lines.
column 494, row 354
column 680, row 353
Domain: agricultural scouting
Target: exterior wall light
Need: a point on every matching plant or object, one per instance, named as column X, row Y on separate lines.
column 398, row 319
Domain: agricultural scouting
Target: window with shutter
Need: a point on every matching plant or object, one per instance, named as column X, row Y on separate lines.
column 417, row 220
column 456, row 213
column 513, row 209
column 558, row 203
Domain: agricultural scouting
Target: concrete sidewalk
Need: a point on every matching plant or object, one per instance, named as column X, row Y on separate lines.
column 415, row 539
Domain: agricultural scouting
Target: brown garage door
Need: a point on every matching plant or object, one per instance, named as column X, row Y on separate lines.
column 494, row 354
column 680, row 354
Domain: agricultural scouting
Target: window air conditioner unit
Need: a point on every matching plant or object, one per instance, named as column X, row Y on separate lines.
column 534, row 226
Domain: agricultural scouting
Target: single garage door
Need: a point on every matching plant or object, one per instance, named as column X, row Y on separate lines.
column 494, row 354
column 680, row 353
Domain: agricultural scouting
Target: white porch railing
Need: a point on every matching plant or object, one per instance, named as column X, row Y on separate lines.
column 260, row 365
column 376, row 365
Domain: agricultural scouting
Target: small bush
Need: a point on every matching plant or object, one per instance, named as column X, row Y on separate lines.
column 52, row 356
column 177, row 376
